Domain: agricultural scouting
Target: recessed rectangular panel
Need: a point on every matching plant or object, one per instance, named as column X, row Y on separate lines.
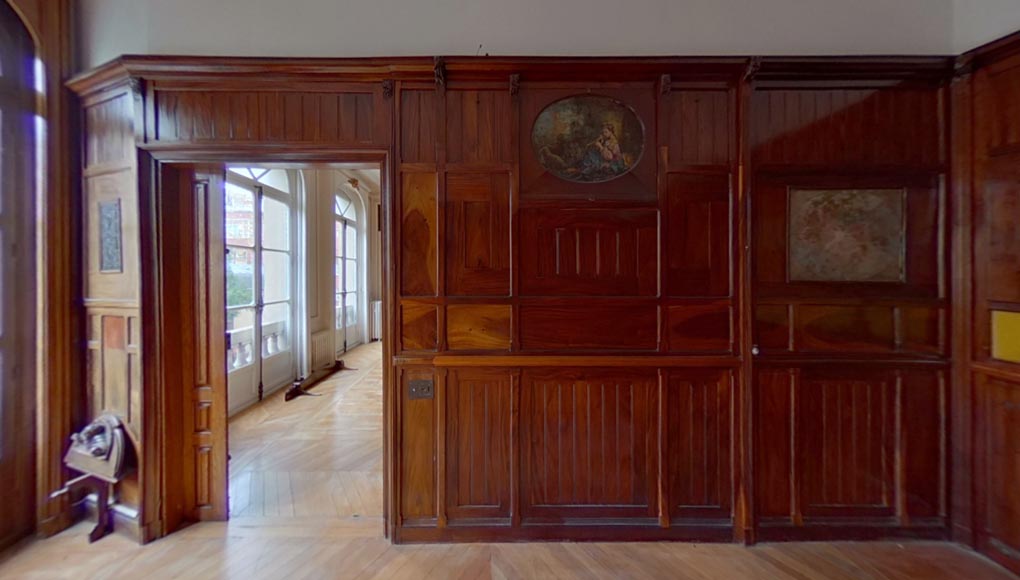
column 478, row 234
column 478, row 326
column 419, row 327
column 1006, row 336
column 587, row 444
column 847, row 235
column 567, row 252
column 418, row 235
column 589, row 326
column 478, row 413
column 700, row 327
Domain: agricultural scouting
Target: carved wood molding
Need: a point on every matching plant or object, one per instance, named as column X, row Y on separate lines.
column 515, row 84
column 440, row 71
column 387, row 88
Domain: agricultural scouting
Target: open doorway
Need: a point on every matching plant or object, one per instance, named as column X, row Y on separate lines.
column 302, row 269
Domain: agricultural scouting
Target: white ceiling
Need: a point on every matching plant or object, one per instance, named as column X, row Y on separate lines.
column 110, row 28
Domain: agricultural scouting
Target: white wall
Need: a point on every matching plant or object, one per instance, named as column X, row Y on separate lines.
column 977, row 22
column 338, row 28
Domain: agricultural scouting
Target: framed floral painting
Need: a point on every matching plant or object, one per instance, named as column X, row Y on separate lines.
column 847, row 235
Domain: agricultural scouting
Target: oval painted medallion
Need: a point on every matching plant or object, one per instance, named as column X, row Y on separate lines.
column 588, row 138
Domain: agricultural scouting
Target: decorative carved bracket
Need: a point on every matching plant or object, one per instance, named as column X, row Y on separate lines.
column 665, row 84
column 440, row 71
column 753, row 66
column 963, row 67
column 515, row 84
column 387, row 88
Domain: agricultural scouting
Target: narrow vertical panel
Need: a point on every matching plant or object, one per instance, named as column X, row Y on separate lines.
column 478, row 234
column 699, row 235
column 418, row 235
column 418, row 126
column 924, row 442
column 774, row 443
column 417, row 453
column 699, row 442
column 478, row 445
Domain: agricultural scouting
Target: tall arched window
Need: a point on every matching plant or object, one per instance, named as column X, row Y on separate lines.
column 346, row 247
column 17, row 289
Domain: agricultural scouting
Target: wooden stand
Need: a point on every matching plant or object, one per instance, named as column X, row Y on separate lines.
column 104, row 523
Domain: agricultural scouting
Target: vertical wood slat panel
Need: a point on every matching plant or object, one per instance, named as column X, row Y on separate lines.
column 478, row 445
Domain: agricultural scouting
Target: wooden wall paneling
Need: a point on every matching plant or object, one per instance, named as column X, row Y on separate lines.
column 699, row 441
column 962, row 168
column 601, row 325
column 589, row 447
column 478, row 326
column 595, row 252
column 316, row 113
column 419, row 231
column 477, row 241
column 997, row 417
column 699, row 221
column 417, row 452
column 194, row 418
column 478, row 441
column 989, row 109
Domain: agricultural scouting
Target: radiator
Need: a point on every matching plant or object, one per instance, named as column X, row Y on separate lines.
column 377, row 320
column 322, row 349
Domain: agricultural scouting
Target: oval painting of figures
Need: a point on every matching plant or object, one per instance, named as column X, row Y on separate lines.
column 588, row 138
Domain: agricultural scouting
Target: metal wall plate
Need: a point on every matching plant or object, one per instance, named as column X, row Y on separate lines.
column 420, row 389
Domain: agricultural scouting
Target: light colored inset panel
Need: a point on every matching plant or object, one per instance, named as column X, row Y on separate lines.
column 847, row 235
column 478, row 326
column 1006, row 336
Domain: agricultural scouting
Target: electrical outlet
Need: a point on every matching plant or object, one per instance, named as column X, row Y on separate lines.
column 420, row 389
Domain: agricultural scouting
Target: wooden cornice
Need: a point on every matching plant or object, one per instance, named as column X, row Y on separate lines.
column 988, row 54
column 168, row 69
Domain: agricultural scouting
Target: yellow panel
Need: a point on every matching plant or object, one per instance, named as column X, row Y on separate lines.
column 1006, row 336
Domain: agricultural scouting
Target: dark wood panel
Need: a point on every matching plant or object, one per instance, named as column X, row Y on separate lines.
column 847, row 126
column 589, row 325
column 478, row 407
column 418, row 130
column 844, row 442
column 419, row 238
column 478, row 126
column 699, row 328
column 477, row 234
column 699, row 436
column 275, row 116
column 846, row 430
column 1003, row 86
column 588, row 444
column 775, row 396
column 997, row 454
column 701, row 127
column 588, row 252
column 698, row 251
column 844, row 328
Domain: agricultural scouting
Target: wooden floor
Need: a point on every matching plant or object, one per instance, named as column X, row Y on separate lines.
column 306, row 493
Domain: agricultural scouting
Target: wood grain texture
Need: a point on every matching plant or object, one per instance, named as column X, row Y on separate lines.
column 477, row 234
column 478, row 326
column 989, row 389
column 505, row 276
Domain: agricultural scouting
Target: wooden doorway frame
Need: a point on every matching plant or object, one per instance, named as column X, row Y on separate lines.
column 162, row 427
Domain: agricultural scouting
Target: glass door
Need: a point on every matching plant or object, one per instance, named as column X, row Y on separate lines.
column 260, row 284
column 345, row 235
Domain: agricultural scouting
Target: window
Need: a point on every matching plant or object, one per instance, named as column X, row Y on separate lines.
column 21, row 133
column 345, row 237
